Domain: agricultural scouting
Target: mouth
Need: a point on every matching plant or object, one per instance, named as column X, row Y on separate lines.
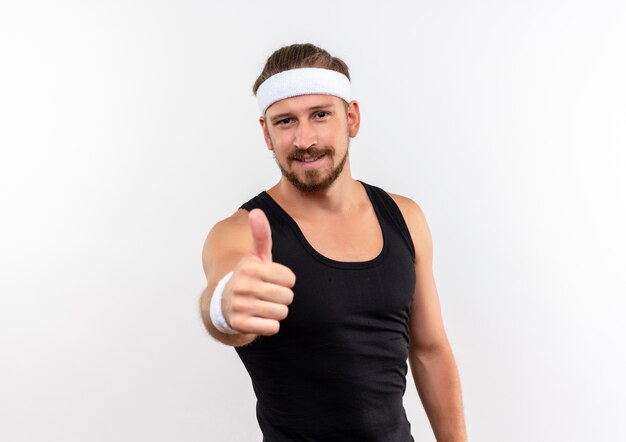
column 309, row 160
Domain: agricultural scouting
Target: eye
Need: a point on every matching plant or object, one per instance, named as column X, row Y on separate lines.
column 321, row 114
column 283, row 121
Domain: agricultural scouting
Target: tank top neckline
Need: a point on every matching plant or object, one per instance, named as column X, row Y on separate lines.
column 324, row 259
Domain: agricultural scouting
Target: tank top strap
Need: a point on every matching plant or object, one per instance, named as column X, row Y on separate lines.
column 383, row 204
column 254, row 203
column 264, row 202
column 388, row 208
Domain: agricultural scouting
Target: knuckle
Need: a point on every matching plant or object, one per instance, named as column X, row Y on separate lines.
column 237, row 304
column 267, row 310
column 236, row 322
column 249, row 269
column 234, row 284
column 241, row 286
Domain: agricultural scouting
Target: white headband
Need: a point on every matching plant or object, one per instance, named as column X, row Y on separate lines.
column 302, row 81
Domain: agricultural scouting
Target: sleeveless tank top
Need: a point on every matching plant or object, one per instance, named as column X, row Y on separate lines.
column 336, row 370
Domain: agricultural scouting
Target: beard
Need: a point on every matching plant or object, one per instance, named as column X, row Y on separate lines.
column 313, row 180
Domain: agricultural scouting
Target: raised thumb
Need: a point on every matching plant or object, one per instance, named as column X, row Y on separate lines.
column 261, row 235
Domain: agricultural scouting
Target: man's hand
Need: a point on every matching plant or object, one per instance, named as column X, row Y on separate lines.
column 257, row 295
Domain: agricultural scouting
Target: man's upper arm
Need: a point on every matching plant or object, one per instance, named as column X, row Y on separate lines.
column 425, row 323
column 227, row 242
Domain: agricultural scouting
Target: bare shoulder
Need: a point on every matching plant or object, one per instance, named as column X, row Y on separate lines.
column 417, row 224
column 411, row 211
column 227, row 241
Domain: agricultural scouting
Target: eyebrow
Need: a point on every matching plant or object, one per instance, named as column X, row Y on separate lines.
column 319, row 107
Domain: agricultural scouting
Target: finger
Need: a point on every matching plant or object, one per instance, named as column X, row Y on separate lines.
column 254, row 324
column 259, row 308
column 276, row 273
column 261, row 235
column 275, row 293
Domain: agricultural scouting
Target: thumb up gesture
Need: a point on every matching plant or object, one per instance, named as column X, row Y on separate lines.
column 257, row 296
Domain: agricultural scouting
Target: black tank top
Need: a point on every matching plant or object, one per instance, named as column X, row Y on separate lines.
column 336, row 370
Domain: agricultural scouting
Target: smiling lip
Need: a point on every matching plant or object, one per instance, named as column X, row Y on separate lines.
column 306, row 162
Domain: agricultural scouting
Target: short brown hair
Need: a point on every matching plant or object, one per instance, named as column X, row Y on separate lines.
column 299, row 56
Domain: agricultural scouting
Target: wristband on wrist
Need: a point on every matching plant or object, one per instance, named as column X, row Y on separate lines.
column 217, row 316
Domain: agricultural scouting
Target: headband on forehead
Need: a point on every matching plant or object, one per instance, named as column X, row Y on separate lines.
column 302, row 81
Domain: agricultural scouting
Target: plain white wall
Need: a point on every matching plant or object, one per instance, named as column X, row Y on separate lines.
column 128, row 128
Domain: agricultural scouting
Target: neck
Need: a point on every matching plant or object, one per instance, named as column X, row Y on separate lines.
column 339, row 197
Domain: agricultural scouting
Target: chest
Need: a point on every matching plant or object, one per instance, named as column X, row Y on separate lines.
column 329, row 296
column 347, row 239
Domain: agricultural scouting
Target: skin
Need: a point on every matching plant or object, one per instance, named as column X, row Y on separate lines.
column 338, row 222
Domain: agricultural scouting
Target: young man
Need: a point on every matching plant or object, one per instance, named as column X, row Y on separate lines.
column 324, row 284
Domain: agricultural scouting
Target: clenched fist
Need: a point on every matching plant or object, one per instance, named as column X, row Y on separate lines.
column 257, row 295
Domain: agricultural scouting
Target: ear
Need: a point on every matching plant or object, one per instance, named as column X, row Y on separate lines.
column 266, row 134
column 354, row 118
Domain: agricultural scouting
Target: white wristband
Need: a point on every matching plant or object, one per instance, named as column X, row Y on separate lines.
column 217, row 316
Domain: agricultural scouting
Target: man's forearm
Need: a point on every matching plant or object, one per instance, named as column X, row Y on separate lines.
column 437, row 381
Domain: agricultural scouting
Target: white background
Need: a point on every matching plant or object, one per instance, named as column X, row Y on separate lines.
column 128, row 128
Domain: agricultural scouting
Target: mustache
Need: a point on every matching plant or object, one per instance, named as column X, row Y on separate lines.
column 310, row 152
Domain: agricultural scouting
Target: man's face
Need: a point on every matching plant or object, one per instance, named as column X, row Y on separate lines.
column 310, row 135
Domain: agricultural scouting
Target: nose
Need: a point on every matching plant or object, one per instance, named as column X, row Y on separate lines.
column 306, row 135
